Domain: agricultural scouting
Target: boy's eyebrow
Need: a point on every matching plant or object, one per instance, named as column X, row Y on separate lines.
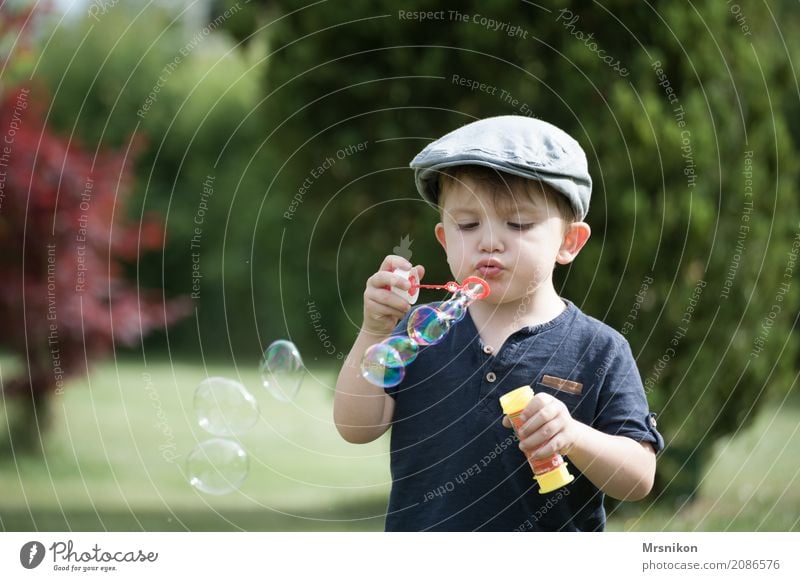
column 504, row 211
column 455, row 211
column 468, row 208
column 537, row 205
column 520, row 210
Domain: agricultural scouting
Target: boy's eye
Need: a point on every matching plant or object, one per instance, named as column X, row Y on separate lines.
column 468, row 226
column 521, row 227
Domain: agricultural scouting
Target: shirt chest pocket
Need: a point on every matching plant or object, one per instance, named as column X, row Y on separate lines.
column 572, row 393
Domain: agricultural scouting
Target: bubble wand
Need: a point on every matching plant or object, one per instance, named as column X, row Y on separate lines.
column 470, row 284
column 384, row 363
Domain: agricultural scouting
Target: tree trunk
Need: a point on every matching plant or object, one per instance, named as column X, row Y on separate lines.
column 30, row 414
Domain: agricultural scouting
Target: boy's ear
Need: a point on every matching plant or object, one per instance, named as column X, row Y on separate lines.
column 574, row 238
column 439, row 232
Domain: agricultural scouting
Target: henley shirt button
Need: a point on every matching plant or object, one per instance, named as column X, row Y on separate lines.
column 488, row 349
column 490, row 377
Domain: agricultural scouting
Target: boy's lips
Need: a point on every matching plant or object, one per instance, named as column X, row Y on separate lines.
column 489, row 268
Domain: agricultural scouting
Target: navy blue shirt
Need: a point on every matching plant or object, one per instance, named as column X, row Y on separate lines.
column 456, row 468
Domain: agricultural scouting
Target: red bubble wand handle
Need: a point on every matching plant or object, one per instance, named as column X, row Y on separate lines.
column 452, row 286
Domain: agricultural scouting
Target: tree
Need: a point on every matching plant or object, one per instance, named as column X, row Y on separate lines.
column 65, row 300
column 195, row 98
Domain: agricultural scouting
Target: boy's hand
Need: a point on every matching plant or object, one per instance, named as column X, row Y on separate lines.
column 382, row 308
column 549, row 428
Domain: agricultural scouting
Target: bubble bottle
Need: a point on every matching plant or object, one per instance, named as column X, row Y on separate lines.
column 551, row 473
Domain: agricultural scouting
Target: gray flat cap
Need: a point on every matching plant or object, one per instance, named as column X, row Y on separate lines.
column 514, row 144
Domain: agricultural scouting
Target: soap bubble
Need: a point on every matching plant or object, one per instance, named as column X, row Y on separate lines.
column 382, row 365
column 427, row 326
column 456, row 308
column 217, row 466
column 282, row 370
column 407, row 349
column 224, row 407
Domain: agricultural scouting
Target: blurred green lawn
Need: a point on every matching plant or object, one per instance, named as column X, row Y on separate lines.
column 751, row 484
column 108, row 462
column 109, row 465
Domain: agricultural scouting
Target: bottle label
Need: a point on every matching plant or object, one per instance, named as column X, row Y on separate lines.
column 539, row 466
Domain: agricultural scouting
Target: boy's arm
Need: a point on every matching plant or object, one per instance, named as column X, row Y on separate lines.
column 363, row 412
column 622, row 468
column 619, row 466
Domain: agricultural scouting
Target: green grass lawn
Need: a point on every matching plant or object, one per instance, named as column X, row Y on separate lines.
column 751, row 484
column 113, row 460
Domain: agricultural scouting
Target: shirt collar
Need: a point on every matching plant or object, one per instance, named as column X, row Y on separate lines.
column 566, row 315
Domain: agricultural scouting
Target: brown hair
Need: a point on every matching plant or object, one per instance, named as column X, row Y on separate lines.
column 503, row 187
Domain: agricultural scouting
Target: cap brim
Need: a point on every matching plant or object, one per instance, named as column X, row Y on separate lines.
column 427, row 180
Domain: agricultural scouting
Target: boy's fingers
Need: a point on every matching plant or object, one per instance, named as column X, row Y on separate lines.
column 539, row 402
column 540, row 450
column 535, row 442
column 420, row 272
column 531, row 425
column 553, row 446
column 546, row 418
column 384, row 279
column 387, row 299
column 393, row 262
column 545, row 451
column 506, row 422
column 377, row 310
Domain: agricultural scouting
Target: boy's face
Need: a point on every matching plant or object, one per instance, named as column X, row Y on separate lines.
column 513, row 245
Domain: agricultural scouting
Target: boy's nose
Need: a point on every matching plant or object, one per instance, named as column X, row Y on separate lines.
column 490, row 241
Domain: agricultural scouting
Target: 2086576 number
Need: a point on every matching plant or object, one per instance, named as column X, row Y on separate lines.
column 754, row 564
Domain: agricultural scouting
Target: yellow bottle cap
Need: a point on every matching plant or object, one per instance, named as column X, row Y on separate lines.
column 515, row 401
column 553, row 480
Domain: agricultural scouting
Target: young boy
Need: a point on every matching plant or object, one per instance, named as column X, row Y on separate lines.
column 512, row 193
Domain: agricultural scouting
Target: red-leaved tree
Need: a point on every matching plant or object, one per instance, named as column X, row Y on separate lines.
column 65, row 235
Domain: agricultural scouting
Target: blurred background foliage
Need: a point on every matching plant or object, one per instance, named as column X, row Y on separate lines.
column 306, row 116
column 668, row 200
column 192, row 96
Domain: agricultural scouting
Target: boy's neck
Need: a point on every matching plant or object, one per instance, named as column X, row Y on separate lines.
column 496, row 322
